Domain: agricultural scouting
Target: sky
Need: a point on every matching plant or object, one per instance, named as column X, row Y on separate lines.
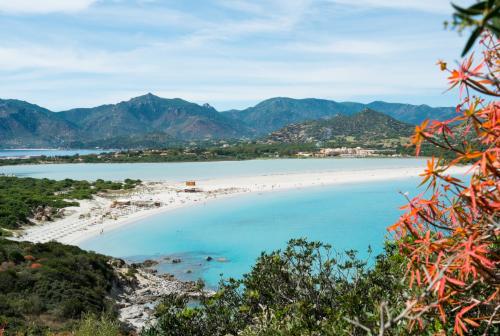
column 62, row 54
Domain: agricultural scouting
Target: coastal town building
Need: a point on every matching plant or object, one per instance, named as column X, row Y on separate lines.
column 346, row 151
column 340, row 151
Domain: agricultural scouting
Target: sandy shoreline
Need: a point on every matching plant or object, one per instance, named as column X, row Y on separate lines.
column 114, row 210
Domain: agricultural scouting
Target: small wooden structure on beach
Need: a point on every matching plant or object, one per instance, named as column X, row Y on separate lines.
column 191, row 187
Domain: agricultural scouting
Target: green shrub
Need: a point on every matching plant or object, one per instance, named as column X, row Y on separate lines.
column 69, row 282
column 307, row 289
column 90, row 325
column 19, row 197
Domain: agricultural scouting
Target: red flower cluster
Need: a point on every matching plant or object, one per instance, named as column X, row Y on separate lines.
column 450, row 233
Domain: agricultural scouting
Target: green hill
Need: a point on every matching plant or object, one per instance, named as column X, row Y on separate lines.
column 27, row 125
column 365, row 127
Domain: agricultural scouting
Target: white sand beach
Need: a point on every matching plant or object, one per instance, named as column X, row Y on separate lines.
column 116, row 209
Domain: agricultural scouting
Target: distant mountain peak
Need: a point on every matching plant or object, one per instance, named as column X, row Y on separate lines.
column 152, row 98
column 146, row 97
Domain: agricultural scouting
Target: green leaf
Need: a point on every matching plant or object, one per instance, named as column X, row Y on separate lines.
column 475, row 34
column 466, row 11
column 481, row 6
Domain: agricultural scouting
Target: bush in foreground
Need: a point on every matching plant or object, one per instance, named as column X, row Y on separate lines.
column 49, row 286
column 306, row 289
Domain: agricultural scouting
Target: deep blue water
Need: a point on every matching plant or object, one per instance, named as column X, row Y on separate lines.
column 238, row 229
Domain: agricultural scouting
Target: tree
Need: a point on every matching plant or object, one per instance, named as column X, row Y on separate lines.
column 450, row 233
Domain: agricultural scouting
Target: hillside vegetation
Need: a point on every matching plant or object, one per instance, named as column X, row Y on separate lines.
column 49, row 286
column 367, row 128
column 27, row 125
column 21, row 197
column 306, row 289
column 205, row 152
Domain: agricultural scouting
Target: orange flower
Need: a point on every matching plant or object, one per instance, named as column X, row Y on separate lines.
column 420, row 135
column 462, row 75
column 452, row 236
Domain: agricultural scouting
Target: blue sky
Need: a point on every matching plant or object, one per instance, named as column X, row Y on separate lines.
column 228, row 53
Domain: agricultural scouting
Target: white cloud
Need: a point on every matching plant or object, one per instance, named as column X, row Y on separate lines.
column 50, row 74
column 241, row 6
column 44, row 6
column 437, row 6
column 232, row 30
column 239, row 50
column 390, row 46
column 270, row 16
column 37, row 57
column 350, row 47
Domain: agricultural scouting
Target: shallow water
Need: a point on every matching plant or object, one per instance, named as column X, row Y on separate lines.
column 239, row 229
column 203, row 170
column 349, row 216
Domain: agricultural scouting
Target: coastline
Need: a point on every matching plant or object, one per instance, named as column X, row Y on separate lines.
column 410, row 157
column 117, row 209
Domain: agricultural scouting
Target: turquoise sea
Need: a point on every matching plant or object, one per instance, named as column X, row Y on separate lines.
column 238, row 229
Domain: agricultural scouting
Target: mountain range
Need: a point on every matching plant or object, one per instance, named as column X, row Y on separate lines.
column 274, row 113
column 151, row 117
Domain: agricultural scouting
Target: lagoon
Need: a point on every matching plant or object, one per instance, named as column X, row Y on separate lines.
column 204, row 170
column 350, row 216
column 238, row 229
